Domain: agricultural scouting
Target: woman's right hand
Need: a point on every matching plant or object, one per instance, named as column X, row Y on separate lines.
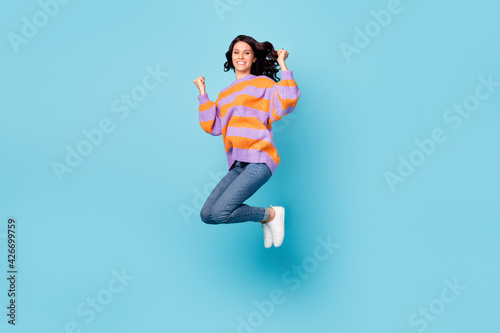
column 200, row 83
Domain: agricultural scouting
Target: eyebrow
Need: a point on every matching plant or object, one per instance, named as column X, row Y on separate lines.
column 243, row 50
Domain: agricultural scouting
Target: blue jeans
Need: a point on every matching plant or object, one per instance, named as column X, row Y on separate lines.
column 225, row 203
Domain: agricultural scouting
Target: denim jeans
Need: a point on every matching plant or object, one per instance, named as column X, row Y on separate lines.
column 225, row 203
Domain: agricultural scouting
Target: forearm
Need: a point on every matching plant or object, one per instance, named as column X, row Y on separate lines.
column 282, row 65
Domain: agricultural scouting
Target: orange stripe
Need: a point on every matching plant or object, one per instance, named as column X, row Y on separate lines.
column 247, row 122
column 206, row 106
column 287, row 83
column 207, row 125
column 246, row 143
column 261, row 104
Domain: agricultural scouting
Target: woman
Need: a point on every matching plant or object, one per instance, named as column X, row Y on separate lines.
column 243, row 114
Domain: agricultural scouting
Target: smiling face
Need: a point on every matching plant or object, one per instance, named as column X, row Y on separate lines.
column 243, row 57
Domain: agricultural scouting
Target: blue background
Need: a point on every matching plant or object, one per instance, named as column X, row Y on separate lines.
column 132, row 204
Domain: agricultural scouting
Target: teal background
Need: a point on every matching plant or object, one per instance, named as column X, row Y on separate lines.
column 133, row 202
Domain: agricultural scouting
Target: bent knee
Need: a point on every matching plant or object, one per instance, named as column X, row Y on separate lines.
column 219, row 216
column 207, row 217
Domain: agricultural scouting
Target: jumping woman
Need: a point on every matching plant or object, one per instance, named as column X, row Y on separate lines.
column 243, row 114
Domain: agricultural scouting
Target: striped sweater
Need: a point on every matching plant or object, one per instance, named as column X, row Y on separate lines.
column 244, row 113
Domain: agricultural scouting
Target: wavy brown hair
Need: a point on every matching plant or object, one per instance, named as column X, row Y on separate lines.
column 266, row 63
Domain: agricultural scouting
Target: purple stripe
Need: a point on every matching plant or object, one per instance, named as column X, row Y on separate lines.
column 287, row 75
column 289, row 110
column 207, row 114
column 203, row 98
column 287, row 92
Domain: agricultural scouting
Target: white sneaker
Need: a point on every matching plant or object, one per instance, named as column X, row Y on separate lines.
column 277, row 226
column 268, row 238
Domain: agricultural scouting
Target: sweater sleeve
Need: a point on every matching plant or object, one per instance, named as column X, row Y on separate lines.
column 209, row 115
column 284, row 96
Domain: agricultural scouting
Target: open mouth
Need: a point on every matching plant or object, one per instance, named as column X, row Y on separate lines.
column 241, row 62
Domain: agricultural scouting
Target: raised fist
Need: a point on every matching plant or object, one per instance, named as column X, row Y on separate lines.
column 200, row 83
column 282, row 54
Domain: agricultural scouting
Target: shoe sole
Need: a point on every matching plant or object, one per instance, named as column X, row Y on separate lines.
column 265, row 226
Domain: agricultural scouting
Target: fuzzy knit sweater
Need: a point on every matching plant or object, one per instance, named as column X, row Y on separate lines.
column 244, row 113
